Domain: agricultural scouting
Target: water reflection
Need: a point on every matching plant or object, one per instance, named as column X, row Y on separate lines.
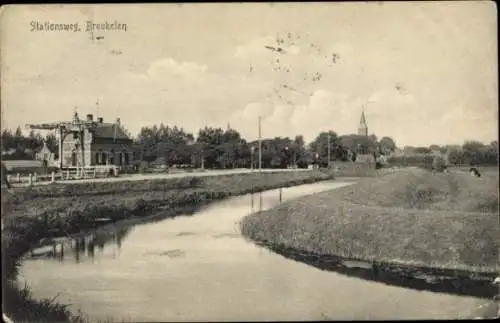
column 434, row 280
column 204, row 270
column 80, row 247
column 275, row 194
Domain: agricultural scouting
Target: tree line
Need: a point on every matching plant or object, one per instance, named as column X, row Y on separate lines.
column 15, row 145
column 470, row 153
column 215, row 147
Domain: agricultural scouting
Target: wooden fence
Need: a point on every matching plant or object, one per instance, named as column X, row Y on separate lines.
column 63, row 175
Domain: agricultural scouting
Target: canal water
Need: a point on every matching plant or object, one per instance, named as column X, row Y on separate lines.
column 200, row 268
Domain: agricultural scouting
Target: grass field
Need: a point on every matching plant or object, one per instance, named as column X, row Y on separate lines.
column 412, row 217
column 33, row 213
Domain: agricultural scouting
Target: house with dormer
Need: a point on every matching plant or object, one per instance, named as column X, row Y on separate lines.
column 103, row 143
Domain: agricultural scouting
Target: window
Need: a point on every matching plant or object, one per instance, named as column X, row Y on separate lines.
column 112, row 157
column 125, row 157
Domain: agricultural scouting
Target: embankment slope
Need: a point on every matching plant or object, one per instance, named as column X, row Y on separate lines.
column 411, row 217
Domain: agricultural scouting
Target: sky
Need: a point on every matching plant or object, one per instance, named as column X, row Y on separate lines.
column 424, row 72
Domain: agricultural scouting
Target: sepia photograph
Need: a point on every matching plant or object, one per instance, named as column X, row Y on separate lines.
column 245, row 161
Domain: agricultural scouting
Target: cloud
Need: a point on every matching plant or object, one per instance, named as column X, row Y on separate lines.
column 322, row 111
column 176, row 77
column 460, row 114
column 176, row 69
column 253, row 48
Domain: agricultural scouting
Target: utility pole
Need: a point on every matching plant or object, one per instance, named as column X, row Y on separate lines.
column 251, row 157
column 328, row 149
column 260, row 145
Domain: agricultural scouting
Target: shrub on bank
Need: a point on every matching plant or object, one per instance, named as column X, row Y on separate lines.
column 98, row 188
column 420, row 160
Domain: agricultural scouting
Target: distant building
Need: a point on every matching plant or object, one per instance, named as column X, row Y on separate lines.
column 103, row 144
column 398, row 152
column 88, row 143
column 361, row 152
column 45, row 154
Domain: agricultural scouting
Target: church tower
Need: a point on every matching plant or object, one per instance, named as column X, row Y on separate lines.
column 363, row 127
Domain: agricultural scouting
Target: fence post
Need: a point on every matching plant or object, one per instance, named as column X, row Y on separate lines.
column 8, row 178
column 30, row 179
column 52, row 177
column 18, row 178
column 35, row 177
column 67, row 175
column 95, row 172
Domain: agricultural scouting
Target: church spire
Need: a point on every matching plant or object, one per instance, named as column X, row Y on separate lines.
column 363, row 127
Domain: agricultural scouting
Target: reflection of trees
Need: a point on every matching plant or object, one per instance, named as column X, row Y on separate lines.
column 79, row 247
column 85, row 244
column 120, row 235
column 252, row 203
column 91, row 248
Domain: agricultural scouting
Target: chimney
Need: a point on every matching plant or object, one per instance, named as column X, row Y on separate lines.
column 90, row 117
column 99, row 119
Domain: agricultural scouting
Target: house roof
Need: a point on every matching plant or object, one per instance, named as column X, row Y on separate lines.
column 107, row 131
column 44, row 148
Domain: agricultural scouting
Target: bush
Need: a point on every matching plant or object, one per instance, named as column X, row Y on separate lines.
column 438, row 164
column 417, row 160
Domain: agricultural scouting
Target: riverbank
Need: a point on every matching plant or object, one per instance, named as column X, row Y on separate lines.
column 32, row 214
column 435, row 222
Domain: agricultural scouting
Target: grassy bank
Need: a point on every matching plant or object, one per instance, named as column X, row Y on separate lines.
column 410, row 218
column 32, row 214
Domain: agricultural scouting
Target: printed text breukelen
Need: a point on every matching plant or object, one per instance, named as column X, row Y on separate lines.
column 104, row 26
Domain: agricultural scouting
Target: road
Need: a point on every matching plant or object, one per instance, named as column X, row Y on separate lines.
column 139, row 177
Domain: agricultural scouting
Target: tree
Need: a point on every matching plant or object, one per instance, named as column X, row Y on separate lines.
column 7, row 140
column 34, row 140
column 300, row 156
column 320, row 145
column 166, row 144
column 210, row 140
column 494, row 145
column 360, row 144
column 18, row 133
column 52, row 144
column 455, row 155
column 409, row 150
column 387, row 145
column 438, row 164
column 473, row 152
